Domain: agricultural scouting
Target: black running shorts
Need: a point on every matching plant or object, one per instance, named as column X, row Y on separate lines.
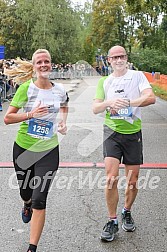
column 128, row 148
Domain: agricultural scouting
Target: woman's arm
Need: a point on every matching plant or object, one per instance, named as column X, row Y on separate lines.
column 62, row 128
column 12, row 116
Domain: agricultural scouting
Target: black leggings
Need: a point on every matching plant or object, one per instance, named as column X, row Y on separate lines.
column 35, row 172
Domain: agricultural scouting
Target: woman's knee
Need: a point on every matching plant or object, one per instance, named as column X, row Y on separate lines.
column 39, row 203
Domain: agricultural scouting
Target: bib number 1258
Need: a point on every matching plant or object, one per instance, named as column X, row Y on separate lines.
column 38, row 128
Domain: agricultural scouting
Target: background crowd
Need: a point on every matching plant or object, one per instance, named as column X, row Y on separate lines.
column 59, row 71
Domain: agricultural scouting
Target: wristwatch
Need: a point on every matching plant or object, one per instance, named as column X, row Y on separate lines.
column 108, row 109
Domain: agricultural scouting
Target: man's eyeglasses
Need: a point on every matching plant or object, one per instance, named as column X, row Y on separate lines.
column 114, row 58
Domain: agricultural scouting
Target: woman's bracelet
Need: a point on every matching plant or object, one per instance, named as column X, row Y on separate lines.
column 29, row 115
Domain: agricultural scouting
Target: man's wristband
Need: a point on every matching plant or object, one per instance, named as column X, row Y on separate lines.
column 108, row 109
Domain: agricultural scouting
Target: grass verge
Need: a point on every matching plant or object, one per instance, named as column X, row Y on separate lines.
column 159, row 92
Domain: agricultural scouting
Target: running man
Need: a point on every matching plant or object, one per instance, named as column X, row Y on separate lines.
column 121, row 94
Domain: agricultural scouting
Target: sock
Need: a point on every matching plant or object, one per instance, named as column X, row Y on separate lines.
column 32, row 248
column 114, row 219
column 28, row 204
column 125, row 209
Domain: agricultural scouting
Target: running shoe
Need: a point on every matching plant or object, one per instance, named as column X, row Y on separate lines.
column 109, row 231
column 26, row 213
column 1, row 108
column 128, row 224
column 32, row 248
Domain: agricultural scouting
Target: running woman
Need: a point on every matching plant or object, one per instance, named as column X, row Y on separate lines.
column 36, row 148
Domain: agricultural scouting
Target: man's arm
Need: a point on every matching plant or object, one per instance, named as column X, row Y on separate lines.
column 147, row 98
column 100, row 106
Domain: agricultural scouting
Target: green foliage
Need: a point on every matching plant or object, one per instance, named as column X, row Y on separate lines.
column 163, row 33
column 159, row 92
column 10, row 27
column 129, row 23
column 27, row 25
column 149, row 60
column 88, row 50
column 88, row 45
column 109, row 25
column 73, row 34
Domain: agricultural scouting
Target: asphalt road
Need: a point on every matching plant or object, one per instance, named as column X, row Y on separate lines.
column 76, row 209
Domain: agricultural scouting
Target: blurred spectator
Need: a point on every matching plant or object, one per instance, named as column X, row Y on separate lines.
column 2, row 83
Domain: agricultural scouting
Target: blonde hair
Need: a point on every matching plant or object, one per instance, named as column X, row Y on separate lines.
column 40, row 51
column 23, row 70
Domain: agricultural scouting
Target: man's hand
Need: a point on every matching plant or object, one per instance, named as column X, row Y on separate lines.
column 119, row 103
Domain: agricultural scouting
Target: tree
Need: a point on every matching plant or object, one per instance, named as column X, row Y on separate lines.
column 109, row 23
column 51, row 24
column 149, row 60
column 163, row 33
column 88, row 47
column 144, row 16
column 11, row 27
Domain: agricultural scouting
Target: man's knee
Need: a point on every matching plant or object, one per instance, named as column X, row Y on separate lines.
column 132, row 184
column 111, row 181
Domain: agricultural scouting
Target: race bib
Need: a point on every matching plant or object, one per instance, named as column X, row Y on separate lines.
column 123, row 113
column 38, row 128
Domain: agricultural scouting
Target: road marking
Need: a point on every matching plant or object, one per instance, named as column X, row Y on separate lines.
column 92, row 165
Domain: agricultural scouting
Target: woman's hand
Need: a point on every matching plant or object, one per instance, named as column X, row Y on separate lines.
column 39, row 111
column 62, row 128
